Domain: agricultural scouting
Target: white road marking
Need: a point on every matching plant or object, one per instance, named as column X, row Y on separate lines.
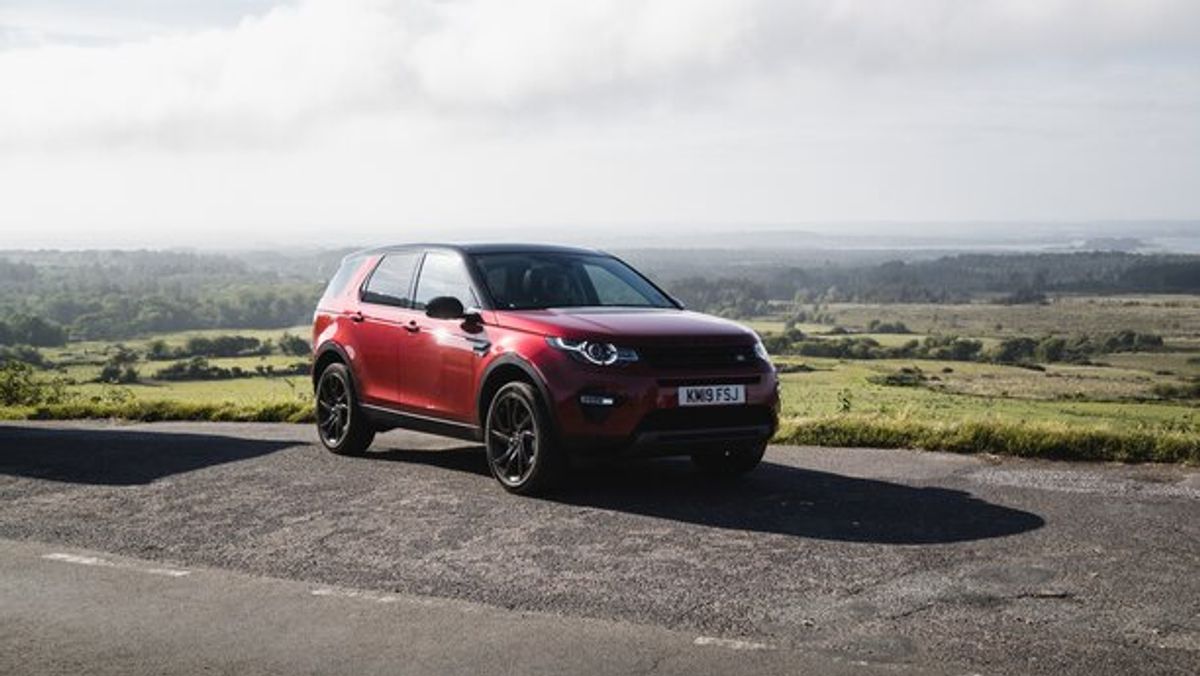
column 732, row 643
column 386, row 597
column 356, row 594
column 105, row 563
column 1078, row 481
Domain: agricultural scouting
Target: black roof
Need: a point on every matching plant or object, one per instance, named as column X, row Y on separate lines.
column 482, row 247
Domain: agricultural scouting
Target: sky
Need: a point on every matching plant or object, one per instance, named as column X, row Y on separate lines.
column 244, row 122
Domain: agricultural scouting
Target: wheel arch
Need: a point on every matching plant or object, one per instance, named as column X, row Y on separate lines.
column 329, row 353
column 504, row 370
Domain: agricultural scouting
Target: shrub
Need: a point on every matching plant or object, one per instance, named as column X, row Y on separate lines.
column 196, row 368
column 776, row 344
column 224, row 346
column 26, row 354
column 17, row 385
column 1189, row 390
column 877, row 326
column 909, row 376
column 950, row 348
column 116, row 374
column 1013, row 350
column 294, row 345
column 20, row 386
column 158, row 350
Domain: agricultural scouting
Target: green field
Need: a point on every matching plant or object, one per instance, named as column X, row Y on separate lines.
column 1108, row 408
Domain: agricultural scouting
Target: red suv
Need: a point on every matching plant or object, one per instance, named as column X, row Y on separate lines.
column 542, row 353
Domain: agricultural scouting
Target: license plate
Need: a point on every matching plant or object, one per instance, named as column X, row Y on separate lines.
column 712, row 395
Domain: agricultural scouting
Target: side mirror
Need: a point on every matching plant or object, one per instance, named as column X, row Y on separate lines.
column 444, row 307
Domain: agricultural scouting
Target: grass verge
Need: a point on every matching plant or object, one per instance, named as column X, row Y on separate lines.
column 1027, row 440
column 154, row 411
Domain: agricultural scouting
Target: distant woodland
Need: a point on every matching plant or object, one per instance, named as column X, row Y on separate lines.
column 48, row 297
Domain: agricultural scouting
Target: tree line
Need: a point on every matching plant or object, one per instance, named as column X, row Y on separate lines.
column 47, row 297
column 115, row 295
column 1078, row 349
column 1004, row 278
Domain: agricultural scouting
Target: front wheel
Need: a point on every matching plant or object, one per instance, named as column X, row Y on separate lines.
column 732, row 462
column 520, row 445
column 340, row 422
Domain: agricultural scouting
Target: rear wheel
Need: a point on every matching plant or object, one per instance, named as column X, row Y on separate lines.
column 732, row 462
column 521, row 450
column 340, row 421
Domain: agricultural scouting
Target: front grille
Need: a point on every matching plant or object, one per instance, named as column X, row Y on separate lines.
column 694, row 418
column 699, row 356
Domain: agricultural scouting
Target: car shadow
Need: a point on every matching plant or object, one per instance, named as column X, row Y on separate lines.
column 118, row 457
column 774, row 498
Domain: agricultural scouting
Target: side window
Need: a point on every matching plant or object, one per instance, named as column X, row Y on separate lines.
column 345, row 273
column 443, row 274
column 391, row 280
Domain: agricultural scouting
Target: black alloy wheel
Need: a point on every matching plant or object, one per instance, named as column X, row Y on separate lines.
column 340, row 423
column 520, row 449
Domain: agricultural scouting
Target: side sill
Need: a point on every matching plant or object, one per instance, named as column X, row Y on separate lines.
column 387, row 418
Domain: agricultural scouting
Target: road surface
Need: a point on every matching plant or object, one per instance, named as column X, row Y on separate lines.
column 245, row 548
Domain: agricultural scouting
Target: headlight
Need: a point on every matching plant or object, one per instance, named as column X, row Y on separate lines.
column 600, row 354
column 761, row 351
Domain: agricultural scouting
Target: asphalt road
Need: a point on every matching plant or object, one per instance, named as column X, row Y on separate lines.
column 248, row 549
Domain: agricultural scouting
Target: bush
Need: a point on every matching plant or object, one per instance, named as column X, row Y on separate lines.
column 224, row 346
column 909, row 376
column 116, row 374
column 1190, row 390
column 26, row 354
column 294, row 345
column 776, row 344
column 877, row 326
column 158, row 350
column 950, row 348
column 196, row 368
column 1013, row 350
column 19, row 386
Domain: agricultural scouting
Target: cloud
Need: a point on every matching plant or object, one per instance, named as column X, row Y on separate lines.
column 273, row 76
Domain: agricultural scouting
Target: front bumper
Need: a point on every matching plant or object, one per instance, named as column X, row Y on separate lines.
column 644, row 416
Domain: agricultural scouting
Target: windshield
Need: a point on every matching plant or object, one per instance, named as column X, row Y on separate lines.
column 529, row 281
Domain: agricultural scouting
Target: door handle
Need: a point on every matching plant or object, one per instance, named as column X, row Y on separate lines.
column 412, row 327
column 356, row 317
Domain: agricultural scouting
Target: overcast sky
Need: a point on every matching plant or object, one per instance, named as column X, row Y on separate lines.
column 230, row 122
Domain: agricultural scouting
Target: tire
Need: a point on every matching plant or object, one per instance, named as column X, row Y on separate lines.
column 341, row 424
column 731, row 463
column 522, row 453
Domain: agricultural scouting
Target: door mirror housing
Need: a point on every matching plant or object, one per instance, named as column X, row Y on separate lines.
column 444, row 307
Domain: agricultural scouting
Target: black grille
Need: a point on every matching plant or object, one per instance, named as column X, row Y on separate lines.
column 693, row 418
column 697, row 356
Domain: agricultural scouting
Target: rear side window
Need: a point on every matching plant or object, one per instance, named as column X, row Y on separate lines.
column 444, row 274
column 389, row 284
column 337, row 285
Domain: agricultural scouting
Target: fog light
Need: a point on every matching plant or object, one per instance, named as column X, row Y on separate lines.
column 596, row 400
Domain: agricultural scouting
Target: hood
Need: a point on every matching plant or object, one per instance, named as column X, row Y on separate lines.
column 628, row 326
